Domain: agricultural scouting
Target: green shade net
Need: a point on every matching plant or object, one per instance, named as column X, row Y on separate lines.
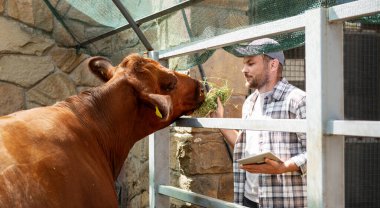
column 176, row 27
column 100, row 12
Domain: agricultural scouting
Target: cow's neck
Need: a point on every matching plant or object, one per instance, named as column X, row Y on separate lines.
column 109, row 115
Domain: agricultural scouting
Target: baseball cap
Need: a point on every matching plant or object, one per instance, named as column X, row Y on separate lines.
column 259, row 46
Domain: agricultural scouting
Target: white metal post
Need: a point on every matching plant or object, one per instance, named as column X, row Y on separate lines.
column 159, row 173
column 158, row 167
column 325, row 101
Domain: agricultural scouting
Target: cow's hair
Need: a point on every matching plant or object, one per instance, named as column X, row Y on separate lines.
column 70, row 153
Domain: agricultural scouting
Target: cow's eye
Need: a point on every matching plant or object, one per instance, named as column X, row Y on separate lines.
column 169, row 87
column 168, row 82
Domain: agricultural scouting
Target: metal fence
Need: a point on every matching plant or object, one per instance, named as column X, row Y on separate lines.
column 331, row 179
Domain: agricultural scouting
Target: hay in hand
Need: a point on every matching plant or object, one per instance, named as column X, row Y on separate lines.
column 210, row 104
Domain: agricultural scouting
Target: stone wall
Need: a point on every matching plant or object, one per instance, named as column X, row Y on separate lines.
column 34, row 69
column 37, row 68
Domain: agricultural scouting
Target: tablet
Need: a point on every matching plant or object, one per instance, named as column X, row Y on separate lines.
column 259, row 158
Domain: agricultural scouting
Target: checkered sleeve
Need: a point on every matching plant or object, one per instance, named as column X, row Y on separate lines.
column 239, row 174
column 301, row 159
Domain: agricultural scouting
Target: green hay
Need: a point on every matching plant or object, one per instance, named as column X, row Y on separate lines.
column 210, row 104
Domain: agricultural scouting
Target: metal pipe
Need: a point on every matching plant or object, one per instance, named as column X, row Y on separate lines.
column 141, row 21
column 124, row 11
column 200, row 67
column 60, row 20
column 153, row 55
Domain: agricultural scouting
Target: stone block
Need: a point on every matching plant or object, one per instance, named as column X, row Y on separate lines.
column 74, row 14
column 197, row 130
column 17, row 41
column 30, row 105
column 219, row 186
column 137, row 178
column 66, row 59
column 62, row 6
column 78, row 29
column 140, row 150
column 145, row 199
column 43, row 18
column 171, row 31
column 216, row 71
column 205, row 184
column 34, row 13
column 21, row 10
column 174, row 178
column 24, row 70
column 136, row 171
column 82, row 75
column 225, row 189
column 135, row 201
column 61, row 36
column 174, row 163
column 233, row 107
column 1, row 6
column 90, row 32
column 12, row 98
column 54, row 88
column 204, row 154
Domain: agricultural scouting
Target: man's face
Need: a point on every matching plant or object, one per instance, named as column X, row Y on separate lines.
column 256, row 71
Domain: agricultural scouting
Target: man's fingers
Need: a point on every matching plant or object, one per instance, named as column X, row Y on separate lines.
column 271, row 162
column 219, row 102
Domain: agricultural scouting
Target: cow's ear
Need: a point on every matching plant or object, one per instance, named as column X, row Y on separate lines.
column 101, row 67
column 162, row 104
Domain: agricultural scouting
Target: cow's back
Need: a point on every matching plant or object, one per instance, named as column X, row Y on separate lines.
column 36, row 171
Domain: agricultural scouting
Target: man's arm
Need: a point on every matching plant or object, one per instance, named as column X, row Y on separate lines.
column 229, row 134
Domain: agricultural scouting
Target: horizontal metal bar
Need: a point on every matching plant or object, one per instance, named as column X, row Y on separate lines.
column 285, row 125
column 169, row 10
column 353, row 10
column 335, row 127
column 353, row 128
column 289, row 24
column 195, row 198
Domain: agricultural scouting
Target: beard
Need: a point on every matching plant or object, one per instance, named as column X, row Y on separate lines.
column 256, row 82
column 251, row 83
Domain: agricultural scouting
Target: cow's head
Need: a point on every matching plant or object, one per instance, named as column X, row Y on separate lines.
column 166, row 94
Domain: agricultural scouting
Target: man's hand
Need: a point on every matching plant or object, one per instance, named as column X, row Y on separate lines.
column 219, row 112
column 229, row 134
column 271, row 167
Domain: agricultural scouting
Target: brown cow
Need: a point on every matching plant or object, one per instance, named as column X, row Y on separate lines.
column 69, row 154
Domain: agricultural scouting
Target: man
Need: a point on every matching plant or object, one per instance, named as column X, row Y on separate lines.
column 271, row 184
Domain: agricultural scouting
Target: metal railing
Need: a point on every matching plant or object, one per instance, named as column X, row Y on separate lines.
column 325, row 107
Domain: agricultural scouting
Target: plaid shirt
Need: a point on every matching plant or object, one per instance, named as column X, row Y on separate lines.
column 287, row 189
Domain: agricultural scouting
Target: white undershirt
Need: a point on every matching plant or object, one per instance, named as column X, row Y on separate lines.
column 252, row 148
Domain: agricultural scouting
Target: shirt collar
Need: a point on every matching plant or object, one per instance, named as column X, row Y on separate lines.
column 280, row 88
